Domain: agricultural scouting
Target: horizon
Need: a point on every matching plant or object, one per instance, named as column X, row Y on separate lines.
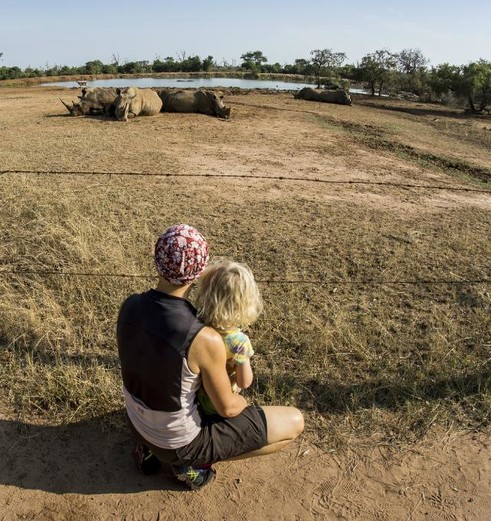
column 52, row 33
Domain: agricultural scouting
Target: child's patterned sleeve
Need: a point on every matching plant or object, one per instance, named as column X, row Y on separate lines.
column 241, row 347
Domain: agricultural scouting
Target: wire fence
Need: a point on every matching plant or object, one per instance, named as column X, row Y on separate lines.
column 247, row 176
column 361, row 282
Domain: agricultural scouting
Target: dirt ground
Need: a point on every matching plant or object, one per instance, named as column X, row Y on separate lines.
column 84, row 472
column 81, row 473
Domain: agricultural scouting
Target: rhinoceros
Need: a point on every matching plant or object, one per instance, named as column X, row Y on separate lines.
column 198, row 101
column 132, row 102
column 92, row 101
column 339, row 96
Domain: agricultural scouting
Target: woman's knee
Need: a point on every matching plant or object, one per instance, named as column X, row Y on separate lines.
column 298, row 422
column 284, row 423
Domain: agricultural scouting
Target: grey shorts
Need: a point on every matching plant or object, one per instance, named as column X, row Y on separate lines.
column 219, row 439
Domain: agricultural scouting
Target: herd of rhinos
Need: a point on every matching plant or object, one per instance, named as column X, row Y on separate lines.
column 121, row 104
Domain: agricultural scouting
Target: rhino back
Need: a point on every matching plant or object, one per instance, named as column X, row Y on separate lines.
column 150, row 102
column 180, row 101
column 326, row 96
column 100, row 95
column 307, row 93
column 196, row 101
column 335, row 96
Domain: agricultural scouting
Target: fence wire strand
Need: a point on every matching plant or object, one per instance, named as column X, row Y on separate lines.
column 246, row 176
column 362, row 282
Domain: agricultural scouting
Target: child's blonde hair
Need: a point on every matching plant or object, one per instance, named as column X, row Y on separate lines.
column 227, row 295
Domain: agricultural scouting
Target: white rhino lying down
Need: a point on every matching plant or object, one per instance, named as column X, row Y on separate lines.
column 132, row 102
column 339, row 96
column 198, row 101
column 93, row 101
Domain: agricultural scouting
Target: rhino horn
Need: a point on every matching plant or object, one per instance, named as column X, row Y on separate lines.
column 70, row 109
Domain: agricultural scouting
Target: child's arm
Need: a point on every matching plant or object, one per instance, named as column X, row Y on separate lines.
column 243, row 374
column 241, row 348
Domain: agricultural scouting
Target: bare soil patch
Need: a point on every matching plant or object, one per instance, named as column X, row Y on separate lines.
column 368, row 228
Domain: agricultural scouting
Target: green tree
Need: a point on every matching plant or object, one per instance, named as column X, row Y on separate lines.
column 137, row 67
column 378, row 69
column 411, row 61
column 274, row 68
column 411, row 64
column 10, row 73
column 167, row 65
column 191, row 64
column 110, row 68
column 441, row 79
column 470, row 83
column 208, row 63
column 303, row 66
column 324, row 62
column 93, row 67
column 300, row 66
column 474, row 85
column 253, row 60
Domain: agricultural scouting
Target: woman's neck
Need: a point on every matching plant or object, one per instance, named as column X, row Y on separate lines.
column 173, row 290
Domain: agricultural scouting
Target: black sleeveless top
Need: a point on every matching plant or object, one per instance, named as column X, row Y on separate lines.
column 154, row 332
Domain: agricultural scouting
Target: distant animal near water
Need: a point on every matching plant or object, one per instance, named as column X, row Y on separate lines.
column 198, row 101
column 338, row 96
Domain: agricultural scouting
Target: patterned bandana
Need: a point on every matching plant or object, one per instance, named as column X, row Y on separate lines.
column 181, row 254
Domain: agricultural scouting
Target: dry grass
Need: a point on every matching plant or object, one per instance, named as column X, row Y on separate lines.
column 349, row 334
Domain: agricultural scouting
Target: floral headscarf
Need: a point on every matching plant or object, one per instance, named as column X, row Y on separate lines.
column 181, row 254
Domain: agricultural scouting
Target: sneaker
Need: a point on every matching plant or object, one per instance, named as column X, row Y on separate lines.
column 194, row 477
column 145, row 460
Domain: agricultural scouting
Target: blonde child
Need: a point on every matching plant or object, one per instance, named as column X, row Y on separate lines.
column 228, row 299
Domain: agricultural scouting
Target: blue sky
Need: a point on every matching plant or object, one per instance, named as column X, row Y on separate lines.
column 40, row 33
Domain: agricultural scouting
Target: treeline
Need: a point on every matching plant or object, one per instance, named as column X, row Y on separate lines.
column 382, row 72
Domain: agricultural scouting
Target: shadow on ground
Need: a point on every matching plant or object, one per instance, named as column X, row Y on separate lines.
column 328, row 397
column 82, row 458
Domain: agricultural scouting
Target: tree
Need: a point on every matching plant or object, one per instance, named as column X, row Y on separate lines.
column 253, row 60
column 208, row 63
column 411, row 61
column 411, row 64
column 137, row 67
column 469, row 83
column 93, row 67
column 274, row 68
column 324, row 62
column 303, row 66
column 109, row 68
column 474, row 84
column 191, row 64
column 377, row 69
column 441, row 79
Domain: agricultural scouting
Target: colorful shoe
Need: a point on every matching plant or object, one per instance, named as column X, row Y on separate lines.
column 146, row 462
column 194, row 477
